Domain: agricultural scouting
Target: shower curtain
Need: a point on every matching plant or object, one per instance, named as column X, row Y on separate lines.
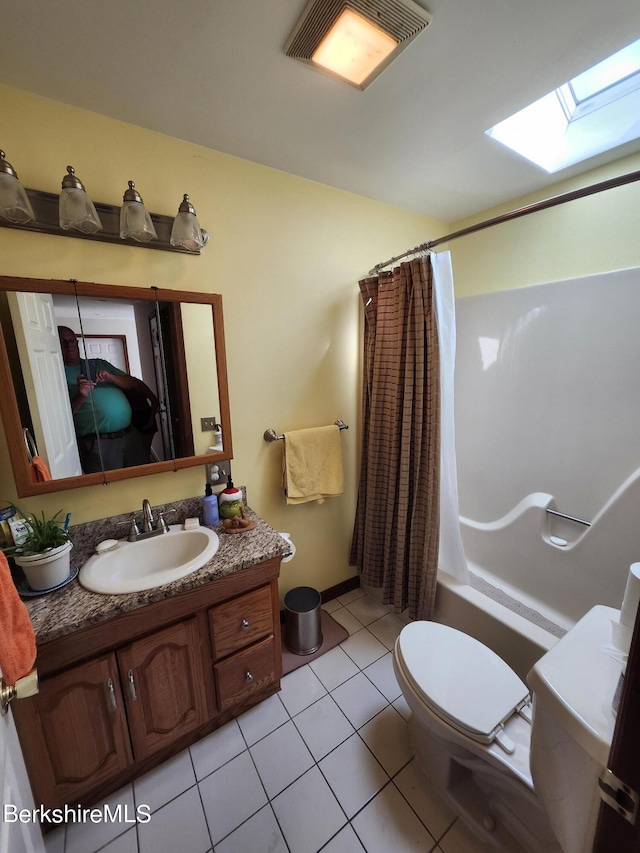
column 397, row 526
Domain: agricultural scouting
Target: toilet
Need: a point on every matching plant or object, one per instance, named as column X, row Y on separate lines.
column 518, row 763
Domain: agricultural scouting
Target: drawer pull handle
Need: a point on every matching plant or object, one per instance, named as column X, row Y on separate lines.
column 112, row 695
column 244, row 624
column 248, row 677
column 132, row 686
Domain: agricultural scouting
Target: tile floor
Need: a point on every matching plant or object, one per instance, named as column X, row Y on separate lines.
column 323, row 765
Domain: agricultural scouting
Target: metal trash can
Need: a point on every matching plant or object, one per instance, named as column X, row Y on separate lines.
column 302, row 626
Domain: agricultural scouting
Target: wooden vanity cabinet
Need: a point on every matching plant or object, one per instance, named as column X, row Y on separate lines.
column 121, row 697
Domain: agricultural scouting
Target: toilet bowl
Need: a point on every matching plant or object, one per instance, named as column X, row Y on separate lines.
column 482, row 741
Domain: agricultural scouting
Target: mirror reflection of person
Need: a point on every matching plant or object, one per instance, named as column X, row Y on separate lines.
column 121, row 444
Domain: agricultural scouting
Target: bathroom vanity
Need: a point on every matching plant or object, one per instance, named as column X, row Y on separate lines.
column 126, row 681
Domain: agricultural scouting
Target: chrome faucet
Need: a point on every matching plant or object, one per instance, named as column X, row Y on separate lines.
column 150, row 526
column 147, row 517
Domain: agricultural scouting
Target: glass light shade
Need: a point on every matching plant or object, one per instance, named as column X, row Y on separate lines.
column 186, row 231
column 135, row 222
column 76, row 210
column 14, row 201
column 354, row 47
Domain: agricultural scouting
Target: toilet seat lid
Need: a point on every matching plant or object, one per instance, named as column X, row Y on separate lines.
column 460, row 679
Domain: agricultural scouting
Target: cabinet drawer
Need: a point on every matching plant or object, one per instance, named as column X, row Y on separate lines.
column 245, row 672
column 240, row 622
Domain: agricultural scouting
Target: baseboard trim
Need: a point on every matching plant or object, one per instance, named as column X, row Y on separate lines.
column 335, row 591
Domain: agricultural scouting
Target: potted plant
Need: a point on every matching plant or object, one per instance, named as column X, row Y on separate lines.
column 43, row 552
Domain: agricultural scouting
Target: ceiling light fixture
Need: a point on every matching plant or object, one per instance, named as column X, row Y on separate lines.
column 354, row 40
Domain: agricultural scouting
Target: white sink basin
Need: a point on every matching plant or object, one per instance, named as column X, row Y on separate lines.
column 149, row 563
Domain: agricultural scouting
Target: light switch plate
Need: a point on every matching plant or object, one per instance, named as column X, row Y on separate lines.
column 207, row 424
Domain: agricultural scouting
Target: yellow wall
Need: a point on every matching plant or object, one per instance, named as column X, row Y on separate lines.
column 583, row 237
column 285, row 254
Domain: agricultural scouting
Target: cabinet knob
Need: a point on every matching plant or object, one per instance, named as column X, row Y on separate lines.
column 244, row 624
column 248, row 677
column 25, row 686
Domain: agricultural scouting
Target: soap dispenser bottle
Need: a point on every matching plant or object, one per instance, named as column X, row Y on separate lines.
column 230, row 500
column 210, row 507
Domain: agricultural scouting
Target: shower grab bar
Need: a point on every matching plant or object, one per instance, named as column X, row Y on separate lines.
column 569, row 517
column 270, row 434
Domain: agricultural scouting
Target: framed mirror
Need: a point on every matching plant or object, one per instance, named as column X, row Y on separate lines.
column 156, row 356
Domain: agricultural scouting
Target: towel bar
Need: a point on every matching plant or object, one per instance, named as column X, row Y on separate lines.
column 270, row 434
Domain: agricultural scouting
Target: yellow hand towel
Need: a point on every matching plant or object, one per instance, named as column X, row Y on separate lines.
column 312, row 464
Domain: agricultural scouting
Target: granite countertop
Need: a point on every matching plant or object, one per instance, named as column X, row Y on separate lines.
column 73, row 607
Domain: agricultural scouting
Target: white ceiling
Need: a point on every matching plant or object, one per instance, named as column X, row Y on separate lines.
column 213, row 72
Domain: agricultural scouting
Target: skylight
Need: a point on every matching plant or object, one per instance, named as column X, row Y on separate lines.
column 591, row 113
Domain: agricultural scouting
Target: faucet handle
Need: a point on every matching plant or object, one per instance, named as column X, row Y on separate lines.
column 160, row 523
column 133, row 527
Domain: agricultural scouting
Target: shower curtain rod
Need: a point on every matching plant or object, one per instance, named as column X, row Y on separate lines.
column 572, row 195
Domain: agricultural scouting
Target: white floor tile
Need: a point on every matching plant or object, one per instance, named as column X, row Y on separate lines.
column 346, row 841
column 387, row 629
column 350, row 596
column 333, row 668
column 353, row 774
column 347, row 620
column 382, row 674
column 127, row 843
column 231, row 795
column 402, row 708
column 308, row 813
column 165, row 782
column 260, row 834
column 359, row 700
column 430, row 808
column 262, row 719
column 216, row 749
column 89, row 837
column 180, row 825
column 300, row 689
column 280, row 758
column 388, row 823
column 460, row 839
column 366, row 609
column 323, row 726
column 54, row 841
column 387, row 737
column 332, row 605
column 363, row 648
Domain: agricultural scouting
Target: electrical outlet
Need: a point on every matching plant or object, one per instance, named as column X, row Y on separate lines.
column 218, row 473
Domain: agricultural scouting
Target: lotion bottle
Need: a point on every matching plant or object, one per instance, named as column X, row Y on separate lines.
column 210, row 507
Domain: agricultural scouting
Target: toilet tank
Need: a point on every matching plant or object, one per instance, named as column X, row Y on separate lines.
column 573, row 687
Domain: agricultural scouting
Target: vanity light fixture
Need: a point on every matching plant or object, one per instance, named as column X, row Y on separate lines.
column 135, row 222
column 14, row 202
column 186, row 231
column 76, row 210
column 354, row 40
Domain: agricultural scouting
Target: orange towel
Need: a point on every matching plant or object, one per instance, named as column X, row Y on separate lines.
column 39, row 471
column 17, row 639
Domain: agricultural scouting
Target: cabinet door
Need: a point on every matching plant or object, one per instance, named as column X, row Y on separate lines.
column 74, row 732
column 163, row 678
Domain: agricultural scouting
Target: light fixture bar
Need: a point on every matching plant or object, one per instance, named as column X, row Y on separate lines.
column 45, row 207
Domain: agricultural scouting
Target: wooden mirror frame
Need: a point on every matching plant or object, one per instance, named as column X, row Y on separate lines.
column 9, row 410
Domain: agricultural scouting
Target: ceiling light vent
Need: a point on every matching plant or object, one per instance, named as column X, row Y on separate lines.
column 355, row 40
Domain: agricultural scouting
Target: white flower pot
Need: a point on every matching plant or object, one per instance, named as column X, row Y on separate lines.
column 47, row 569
